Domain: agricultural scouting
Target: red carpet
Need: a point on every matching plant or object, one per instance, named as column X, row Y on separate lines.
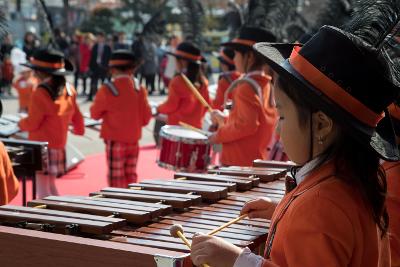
column 91, row 174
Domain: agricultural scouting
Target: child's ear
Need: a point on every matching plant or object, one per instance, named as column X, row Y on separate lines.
column 323, row 125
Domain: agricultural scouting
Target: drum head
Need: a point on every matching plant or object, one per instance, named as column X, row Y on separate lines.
column 182, row 133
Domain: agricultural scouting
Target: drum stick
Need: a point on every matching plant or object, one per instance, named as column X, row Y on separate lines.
column 188, row 126
column 227, row 224
column 196, row 93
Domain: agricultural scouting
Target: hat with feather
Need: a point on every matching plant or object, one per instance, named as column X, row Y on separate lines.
column 350, row 74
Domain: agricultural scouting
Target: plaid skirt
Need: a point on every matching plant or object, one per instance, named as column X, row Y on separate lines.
column 121, row 160
column 56, row 162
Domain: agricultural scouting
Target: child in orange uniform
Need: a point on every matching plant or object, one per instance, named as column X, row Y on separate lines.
column 247, row 131
column 229, row 74
column 122, row 104
column 52, row 109
column 24, row 85
column 331, row 97
column 182, row 105
column 8, row 182
column 392, row 170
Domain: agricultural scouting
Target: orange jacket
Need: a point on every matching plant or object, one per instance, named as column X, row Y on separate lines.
column 325, row 222
column 24, row 88
column 250, row 125
column 182, row 105
column 123, row 115
column 48, row 120
column 8, row 182
column 223, row 85
column 393, row 206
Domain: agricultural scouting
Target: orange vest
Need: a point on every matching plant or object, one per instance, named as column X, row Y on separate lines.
column 392, row 170
column 225, row 80
column 24, row 89
column 8, row 182
column 48, row 120
column 250, row 125
column 182, row 105
column 325, row 222
column 123, row 115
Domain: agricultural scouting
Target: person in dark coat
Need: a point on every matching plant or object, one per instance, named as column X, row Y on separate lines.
column 101, row 53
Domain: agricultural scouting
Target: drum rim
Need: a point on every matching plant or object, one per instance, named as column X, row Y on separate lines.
column 174, row 168
column 178, row 138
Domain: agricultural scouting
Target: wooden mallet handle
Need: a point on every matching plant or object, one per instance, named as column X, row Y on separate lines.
column 196, row 92
column 226, row 224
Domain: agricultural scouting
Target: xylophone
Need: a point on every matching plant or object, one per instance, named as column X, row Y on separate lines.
column 131, row 227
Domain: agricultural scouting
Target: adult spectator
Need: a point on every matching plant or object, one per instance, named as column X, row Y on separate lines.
column 100, row 55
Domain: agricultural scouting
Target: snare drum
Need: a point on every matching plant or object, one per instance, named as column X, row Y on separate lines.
column 183, row 149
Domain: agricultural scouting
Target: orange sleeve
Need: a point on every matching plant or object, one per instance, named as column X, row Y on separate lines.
column 146, row 115
column 244, row 121
column 219, row 98
column 9, row 183
column 172, row 103
column 77, row 120
column 36, row 111
column 323, row 235
column 99, row 106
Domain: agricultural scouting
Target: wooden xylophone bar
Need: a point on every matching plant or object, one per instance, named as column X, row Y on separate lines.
column 130, row 227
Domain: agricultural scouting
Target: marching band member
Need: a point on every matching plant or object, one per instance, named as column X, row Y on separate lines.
column 392, row 170
column 25, row 84
column 52, row 108
column 9, row 184
column 123, row 107
column 247, row 131
column 181, row 104
column 331, row 97
column 229, row 74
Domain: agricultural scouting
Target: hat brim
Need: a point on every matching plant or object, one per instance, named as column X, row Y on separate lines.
column 68, row 68
column 237, row 46
column 202, row 60
column 381, row 139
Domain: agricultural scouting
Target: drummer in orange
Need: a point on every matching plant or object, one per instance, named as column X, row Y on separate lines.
column 181, row 104
column 392, row 170
column 229, row 74
column 123, row 107
column 24, row 85
column 336, row 214
column 52, row 109
column 247, row 131
column 8, row 182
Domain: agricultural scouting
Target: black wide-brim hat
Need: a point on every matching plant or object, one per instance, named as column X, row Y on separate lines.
column 342, row 77
column 122, row 58
column 226, row 56
column 189, row 52
column 248, row 36
column 50, row 61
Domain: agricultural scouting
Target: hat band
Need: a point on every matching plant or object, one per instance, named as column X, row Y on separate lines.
column 187, row 55
column 332, row 90
column 226, row 58
column 244, row 42
column 44, row 64
column 116, row 62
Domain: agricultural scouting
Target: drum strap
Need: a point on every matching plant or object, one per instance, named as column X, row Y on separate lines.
column 227, row 76
column 110, row 85
column 253, row 84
